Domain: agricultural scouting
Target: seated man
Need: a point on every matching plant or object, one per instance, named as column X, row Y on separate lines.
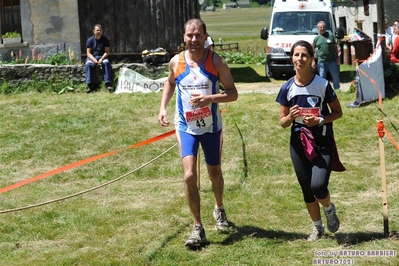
column 97, row 49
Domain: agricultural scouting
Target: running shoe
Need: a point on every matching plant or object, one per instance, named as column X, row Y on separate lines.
column 318, row 232
column 221, row 219
column 109, row 87
column 332, row 219
column 197, row 237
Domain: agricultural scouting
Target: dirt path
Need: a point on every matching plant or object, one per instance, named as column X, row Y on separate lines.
column 261, row 87
column 270, row 87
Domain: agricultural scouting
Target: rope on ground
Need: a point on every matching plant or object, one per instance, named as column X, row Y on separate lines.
column 81, row 162
column 90, row 189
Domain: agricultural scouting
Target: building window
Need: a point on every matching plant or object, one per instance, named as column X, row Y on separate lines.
column 366, row 7
column 10, row 16
column 342, row 24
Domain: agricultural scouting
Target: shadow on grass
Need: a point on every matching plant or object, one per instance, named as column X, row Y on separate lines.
column 343, row 239
column 241, row 232
column 247, row 74
column 347, row 76
column 355, row 238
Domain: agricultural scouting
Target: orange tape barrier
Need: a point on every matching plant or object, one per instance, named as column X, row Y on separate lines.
column 373, row 81
column 391, row 139
column 86, row 161
column 82, row 162
column 381, row 130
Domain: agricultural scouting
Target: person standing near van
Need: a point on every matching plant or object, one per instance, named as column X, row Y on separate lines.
column 209, row 43
column 327, row 54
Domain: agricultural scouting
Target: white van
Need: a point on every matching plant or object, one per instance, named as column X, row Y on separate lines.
column 294, row 20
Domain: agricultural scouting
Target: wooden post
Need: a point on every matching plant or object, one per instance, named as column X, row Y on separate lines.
column 380, row 128
column 384, row 188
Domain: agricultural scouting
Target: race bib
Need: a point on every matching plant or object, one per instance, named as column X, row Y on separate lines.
column 199, row 118
column 309, row 111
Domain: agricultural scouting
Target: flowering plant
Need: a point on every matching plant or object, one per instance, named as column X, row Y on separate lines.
column 11, row 34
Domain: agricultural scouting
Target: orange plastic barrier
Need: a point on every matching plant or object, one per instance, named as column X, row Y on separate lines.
column 82, row 162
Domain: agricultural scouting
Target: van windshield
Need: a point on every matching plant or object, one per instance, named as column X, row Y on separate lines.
column 289, row 23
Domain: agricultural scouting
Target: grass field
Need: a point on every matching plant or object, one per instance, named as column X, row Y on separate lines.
column 143, row 219
column 242, row 25
column 140, row 217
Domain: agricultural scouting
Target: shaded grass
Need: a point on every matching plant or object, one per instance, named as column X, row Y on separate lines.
column 251, row 73
column 248, row 73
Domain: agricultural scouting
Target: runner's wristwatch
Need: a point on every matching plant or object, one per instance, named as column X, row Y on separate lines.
column 321, row 121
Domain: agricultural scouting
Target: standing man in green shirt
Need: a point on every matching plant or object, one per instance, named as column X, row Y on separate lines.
column 326, row 48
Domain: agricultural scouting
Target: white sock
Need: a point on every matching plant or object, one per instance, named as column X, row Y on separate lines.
column 328, row 208
column 219, row 208
column 318, row 223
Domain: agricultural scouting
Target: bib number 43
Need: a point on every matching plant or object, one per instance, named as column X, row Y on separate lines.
column 201, row 123
column 199, row 118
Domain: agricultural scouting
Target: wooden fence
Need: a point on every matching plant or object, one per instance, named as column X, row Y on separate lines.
column 232, row 46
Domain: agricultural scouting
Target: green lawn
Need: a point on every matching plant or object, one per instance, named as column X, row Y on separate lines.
column 242, row 25
column 143, row 219
column 140, row 216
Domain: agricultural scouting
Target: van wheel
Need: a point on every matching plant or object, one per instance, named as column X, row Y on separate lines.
column 270, row 74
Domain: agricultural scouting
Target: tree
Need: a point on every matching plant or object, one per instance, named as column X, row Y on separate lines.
column 213, row 2
column 261, row 2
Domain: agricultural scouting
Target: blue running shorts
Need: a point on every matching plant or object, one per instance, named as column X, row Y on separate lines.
column 211, row 144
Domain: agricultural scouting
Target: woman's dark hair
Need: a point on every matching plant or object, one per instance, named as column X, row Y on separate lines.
column 305, row 44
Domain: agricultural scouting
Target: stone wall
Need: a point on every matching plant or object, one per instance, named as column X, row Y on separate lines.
column 16, row 74
column 53, row 26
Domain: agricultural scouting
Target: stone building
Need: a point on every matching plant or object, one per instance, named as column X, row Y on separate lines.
column 229, row 5
column 243, row 4
column 52, row 26
column 362, row 14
